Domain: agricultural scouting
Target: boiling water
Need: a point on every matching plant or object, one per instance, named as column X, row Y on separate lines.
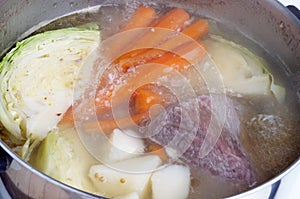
column 271, row 137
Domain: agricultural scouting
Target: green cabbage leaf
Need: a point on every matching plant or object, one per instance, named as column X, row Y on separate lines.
column 37, row 80
column 243, row 72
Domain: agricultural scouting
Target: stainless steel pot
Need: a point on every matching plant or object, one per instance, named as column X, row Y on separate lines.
column 265, row 24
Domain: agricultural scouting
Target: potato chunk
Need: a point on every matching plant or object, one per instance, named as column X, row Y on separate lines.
column 125, row 177
column 171, row 182
column 122, row 146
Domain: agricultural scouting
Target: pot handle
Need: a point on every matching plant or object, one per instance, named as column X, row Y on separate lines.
column 295, row 11
column 5, row 160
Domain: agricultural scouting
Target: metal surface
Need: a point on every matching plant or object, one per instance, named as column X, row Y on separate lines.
column 295, row 11
column 266, row 23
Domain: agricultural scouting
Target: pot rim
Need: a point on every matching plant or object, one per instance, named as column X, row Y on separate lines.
column 277, row 6
column 284, row 10
column 269, row 182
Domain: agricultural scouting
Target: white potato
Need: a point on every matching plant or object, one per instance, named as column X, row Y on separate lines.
column 122, row 145
column 171, row 182
column 125, row 177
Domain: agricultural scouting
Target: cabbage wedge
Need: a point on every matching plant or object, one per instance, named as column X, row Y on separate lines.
column 243, row 72
column 37, row 80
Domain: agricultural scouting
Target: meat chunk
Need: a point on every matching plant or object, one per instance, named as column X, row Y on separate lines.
column 205, row 134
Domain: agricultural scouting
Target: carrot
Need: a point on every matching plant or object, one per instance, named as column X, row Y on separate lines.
column 173, row 20
column 197, row 29
column 192, row 53
column 186, row 55
column 108, row 125
column 173, row 61
column 142, row 17
column 144, row 56
column 142, row 76
column 194, row 31
column 145, row 98
column 149, row 74
column 158, row 150
column 134, row 22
